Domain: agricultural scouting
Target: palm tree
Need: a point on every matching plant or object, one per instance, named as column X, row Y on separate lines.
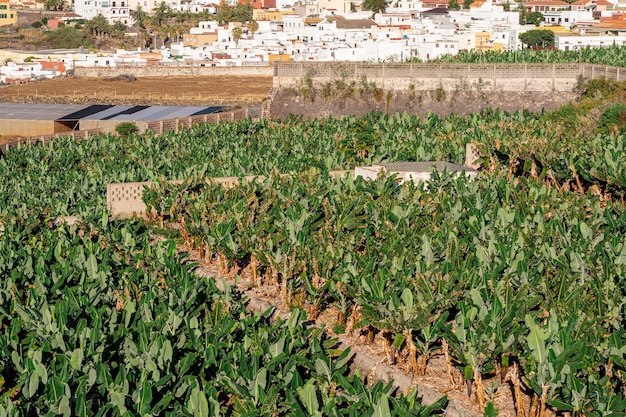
column 161, row 12
column 237, row 33
column 139, row 15
column 253, row 27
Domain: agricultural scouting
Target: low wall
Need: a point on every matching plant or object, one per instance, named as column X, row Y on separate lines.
column 156, row 71
column 124, row 200
column 43, row 139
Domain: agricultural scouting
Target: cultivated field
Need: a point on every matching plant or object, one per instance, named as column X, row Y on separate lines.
column 145, row 90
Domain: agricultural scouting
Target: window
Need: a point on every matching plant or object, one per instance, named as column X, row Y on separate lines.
column 3, row 16
column 3, row 7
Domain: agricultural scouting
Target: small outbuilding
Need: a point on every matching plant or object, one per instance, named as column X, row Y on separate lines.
column 413, row 171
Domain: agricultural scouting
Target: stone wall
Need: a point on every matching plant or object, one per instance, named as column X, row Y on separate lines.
column 430, row 76
column 441, row 102
column 163, row 71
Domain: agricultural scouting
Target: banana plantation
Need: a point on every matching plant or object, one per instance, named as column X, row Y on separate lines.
column 517, row 277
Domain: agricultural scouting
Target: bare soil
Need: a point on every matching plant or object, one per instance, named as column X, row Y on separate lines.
column 211, row 90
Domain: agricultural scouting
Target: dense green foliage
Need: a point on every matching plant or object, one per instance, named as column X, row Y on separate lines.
column 68, row 37
column 98, row 320
column 538, row 38
column 612, row 55
column 523, row 266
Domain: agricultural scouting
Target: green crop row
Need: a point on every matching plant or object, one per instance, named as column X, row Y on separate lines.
column 505, row 271
column 612, row 55
column 518, row 273
column 69, row 177
column 99, row 320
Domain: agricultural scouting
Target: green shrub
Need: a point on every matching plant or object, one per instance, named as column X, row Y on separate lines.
column 125, row 129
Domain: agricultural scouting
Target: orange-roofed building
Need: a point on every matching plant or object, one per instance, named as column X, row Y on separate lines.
column 58, row 67
column 595, row 5
column 433, row 4
column 546, row 6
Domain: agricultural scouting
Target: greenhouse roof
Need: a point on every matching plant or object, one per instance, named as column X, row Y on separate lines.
column 70, row 112
column 28, row 111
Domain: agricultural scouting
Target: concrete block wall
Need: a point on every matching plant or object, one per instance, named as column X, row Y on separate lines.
column 43, row 139
column 432, row 76
column 124, row 200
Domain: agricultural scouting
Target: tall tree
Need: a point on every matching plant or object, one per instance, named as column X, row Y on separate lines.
column 139, row 16
column 454, row 5
column 375, row 6
column 538, row 38
column 253, row 27
column 161, row 12
column 99, row 28
column 534, row 18
column 237, row 34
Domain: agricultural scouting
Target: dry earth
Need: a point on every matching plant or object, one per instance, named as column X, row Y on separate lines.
column 212, row 90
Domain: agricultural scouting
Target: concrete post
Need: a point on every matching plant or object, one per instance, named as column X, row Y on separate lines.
column 472, row 156
column 553, row 76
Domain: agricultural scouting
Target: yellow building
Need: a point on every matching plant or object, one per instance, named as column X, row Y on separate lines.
column 483, row 41
column 273, row 15
column 199, row 39
column 271, row 58
column 7, row 16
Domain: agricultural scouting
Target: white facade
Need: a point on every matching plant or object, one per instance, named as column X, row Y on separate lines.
column 567, row 18
column 573, row 42
column 112, row 10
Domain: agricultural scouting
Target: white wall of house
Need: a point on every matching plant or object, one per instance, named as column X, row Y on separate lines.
column 574, row 42
column 566, row 18
column 112, row 10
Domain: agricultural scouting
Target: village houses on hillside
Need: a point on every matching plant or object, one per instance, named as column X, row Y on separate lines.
column 337, row 30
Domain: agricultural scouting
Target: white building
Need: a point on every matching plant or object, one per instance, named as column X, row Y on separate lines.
column 112, row 10
column 574, row 42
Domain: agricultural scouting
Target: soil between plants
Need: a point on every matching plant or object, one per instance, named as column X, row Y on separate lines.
column 436, row 381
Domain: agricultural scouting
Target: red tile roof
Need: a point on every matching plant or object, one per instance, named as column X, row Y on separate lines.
column 547, row 3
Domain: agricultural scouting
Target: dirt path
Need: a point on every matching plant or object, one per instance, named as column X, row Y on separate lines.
column 229, row 90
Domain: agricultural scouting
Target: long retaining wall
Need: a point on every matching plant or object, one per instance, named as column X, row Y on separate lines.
column 163, row 71
column 445, row 76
